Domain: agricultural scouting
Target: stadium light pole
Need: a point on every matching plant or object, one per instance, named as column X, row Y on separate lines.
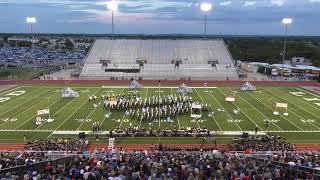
column 113, row 7
column 31, row 21
column 205, row 7
column 286, row 22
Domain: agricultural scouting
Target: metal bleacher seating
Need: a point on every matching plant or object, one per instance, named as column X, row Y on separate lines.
column 158, row 55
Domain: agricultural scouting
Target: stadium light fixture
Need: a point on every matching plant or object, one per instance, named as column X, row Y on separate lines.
column 205, row 7
column 31, row 21
column 113, row 7
column 286, row 22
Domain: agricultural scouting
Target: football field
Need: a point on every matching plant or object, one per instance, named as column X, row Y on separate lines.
column 19, row 106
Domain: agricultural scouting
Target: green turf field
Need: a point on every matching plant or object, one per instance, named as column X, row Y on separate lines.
column 18, row 114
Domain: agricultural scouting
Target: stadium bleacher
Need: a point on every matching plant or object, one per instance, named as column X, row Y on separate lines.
column 198, row 60
column 71, row 160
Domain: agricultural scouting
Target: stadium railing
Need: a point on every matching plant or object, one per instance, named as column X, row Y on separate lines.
column 259, row 157
column 21, row 170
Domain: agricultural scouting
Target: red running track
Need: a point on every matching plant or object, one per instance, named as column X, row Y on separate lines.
column 163, row 82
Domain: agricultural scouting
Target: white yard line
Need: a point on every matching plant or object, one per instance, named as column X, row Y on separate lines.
column 29, row 107
column 282, row 115
column 300, row 100
column 35, row 115
column 124, row 114
column 93, row 110
column 159, row 107
column 225, row 110
column 76, row 132
column 266, row 106
column 211, row 109
column 177, row 116
column 244, row 113
column 105, row 117
column 32, row 97
column 302, row 89
column 8, row 91
column 259, row 112
column 299, row 108
column 145, row 96
column 57, row 111
column 71, row 115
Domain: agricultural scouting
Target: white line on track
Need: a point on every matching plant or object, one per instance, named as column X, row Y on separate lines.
column 118, row 87
column 76, row 132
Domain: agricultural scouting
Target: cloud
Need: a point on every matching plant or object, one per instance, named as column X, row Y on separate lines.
column 278, row 2
column 225, row 3
column 313, row 1
column 249, row 3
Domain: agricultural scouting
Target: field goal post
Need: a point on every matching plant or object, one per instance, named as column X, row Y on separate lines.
column 280, row 106
column 196, row 110
column 41, row 116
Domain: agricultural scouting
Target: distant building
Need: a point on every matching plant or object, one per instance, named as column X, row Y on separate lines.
column 57, row 42
column 82, row 43
column 252, row 67
column 289, row 70
column 22, row 39
column 300, row 61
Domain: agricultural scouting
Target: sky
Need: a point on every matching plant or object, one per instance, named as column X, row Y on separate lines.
column 228, row 17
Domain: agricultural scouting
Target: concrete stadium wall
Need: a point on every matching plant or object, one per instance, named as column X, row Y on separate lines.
column 163, row 82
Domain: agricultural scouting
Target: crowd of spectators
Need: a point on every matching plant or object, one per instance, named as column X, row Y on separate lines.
column 12, row 159
column 57, row 145
column 262, row 143
column 162, row 166
column 161, row 163
column 18, row 54
column 305, row 159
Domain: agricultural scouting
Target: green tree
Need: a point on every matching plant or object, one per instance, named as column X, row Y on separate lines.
column 24, row 44
column 68, row 44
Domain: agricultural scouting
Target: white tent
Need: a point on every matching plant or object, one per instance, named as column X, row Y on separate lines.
column 135, row 85
column 184, row 89
column 69, row 93
column 248, row 87
column 42, row 116
column 281, row 106
column 231, row 97
column 196, row 110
